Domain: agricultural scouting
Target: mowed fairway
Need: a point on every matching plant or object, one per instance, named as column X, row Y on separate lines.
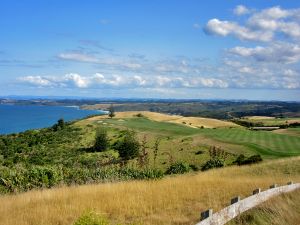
column 268, row 144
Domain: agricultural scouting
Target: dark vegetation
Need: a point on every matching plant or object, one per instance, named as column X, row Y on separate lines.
column 243, row 160
column 249, row 124
column 101, row 140
column 53, row 156
column 214, row 109
column 217, row 159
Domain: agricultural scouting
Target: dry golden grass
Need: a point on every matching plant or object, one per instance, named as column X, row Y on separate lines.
column 173, row 200
column 288, row 132
column 259, row 117
column 283, row 209
column 161, row 117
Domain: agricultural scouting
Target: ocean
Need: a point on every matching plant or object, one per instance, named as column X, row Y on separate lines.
column 18, row 118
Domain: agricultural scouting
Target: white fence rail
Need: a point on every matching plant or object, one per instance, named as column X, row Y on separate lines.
column 239, row 206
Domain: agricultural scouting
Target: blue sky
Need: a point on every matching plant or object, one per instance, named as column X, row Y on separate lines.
column 153, row 49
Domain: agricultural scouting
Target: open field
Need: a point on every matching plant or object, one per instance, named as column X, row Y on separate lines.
column 283, row 209
column 172, row 200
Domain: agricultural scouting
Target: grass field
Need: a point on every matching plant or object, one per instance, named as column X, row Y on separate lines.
column 268, row 144
column 172, row 200
column 235, row 140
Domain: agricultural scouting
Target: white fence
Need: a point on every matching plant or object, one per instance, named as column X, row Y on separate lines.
column 239, row 206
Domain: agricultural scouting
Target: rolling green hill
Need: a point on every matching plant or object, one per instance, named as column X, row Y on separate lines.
column 51, row 156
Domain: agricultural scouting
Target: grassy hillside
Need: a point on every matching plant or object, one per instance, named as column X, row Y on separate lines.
column 234, row 140
column 195, row 122
column 51, row 157
column 172, row 200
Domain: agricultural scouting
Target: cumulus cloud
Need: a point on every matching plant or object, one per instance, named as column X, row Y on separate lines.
column 225, row 28
column 116, row 81
column 37, row 81
column 241, row 10
column 261, row 25
column 276, row 53
column 274, row 62
column 235, row 78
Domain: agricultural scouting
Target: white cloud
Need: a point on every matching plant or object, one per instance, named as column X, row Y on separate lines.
column 116, row 81
column 225, row 28
column 241, row 10
column 79, row 81
column 36, row 80
column 89, row 58
column 261, row 25
column 80, row 57
column 276, row 53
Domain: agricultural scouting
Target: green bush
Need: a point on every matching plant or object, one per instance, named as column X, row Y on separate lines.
column 242, row 160
column 178, row 168
column 23, row 179
column 213, row 163
column 131, row 173
column 101, row 140
column 91, row 218
column 128, row 146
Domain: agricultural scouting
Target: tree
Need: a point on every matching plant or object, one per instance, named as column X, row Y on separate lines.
column 111, row 111
column 101, row 140
column 59, row 125
column 128, row 147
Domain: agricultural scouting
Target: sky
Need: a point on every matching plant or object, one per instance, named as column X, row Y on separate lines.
column 151, row 49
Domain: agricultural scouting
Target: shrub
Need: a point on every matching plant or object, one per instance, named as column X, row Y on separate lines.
column 132, row 173
column 101, row 140
column 242, row 160
column 91, row 218
column 253, row 159
column 213, row 163
column 199, row 152
column 128, row 147
column 139, row 115
column 178, row 168
column 59, row 125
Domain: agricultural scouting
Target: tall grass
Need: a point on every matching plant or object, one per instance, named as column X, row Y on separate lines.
column 172, row 200
column 284, row 209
